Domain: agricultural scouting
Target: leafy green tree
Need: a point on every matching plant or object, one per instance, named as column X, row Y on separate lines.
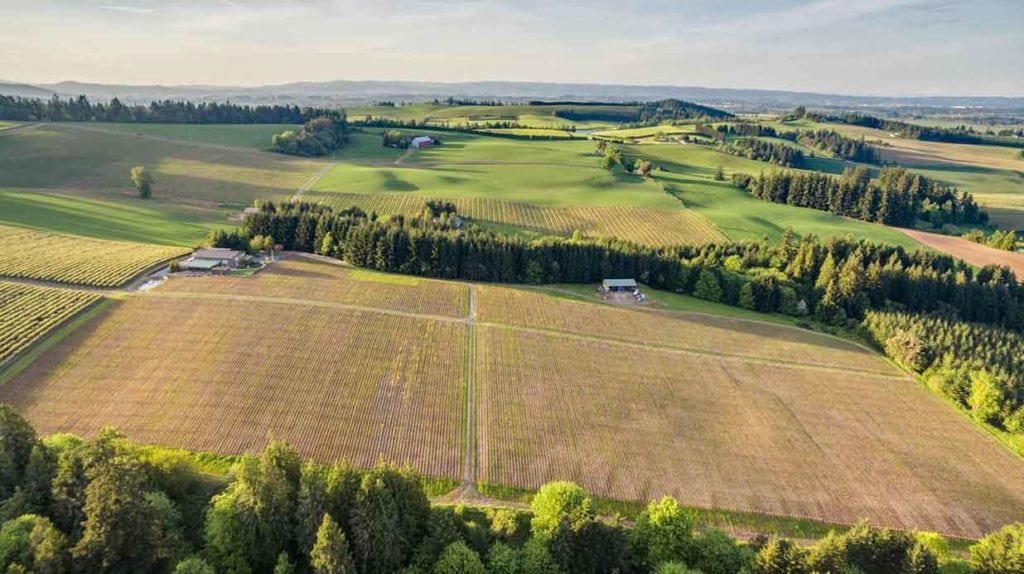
column 921, row 560
column 707, row 287
column 1001, row 552
column 330, row 554
column 673, row 568
column 458, row 558
column 503, row 559
column 442, row 531
column 143, row 181
column 779, row 556
column 747, row 295
column 907, row 349
column 17, row 438
column 388, row 520
column 33, row 543
column 537, row 559
column 986, row 400
column 715, row 553
column 284, row 564
column 253, row 521
column 558, row 502
column 313, row 503
column 663, row 533
column 121, row 531
column 193, row 565
column 719, row 174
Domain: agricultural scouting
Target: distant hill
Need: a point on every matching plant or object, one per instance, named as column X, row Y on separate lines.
column 346, row 92
column 23, row 90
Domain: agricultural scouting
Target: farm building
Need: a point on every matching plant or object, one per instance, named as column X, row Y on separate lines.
column 210, row 259
column 421, row 142
column 618, row 284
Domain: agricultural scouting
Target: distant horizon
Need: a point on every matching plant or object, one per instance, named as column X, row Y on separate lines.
column 10, row 81
column 868, row 48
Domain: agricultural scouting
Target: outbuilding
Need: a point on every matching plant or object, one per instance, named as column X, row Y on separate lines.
column 421, row 142
column 618, row 284
column 210, row 259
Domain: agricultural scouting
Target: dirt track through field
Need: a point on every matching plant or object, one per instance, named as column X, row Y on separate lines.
column 971, row 252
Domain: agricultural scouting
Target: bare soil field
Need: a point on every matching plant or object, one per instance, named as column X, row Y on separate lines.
column 346, row 363
column 636, row 424
column 223, row 376
column 308, row 281
column 690, row 332
column 971, row 252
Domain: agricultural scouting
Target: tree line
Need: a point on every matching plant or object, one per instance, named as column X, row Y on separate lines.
column 839, row 145
column 109, row 506
column 959, row 134
column 770, row 151
column 317, row 137
column 825, row 140
column 837, row 280
column 896, row 197
column 1007, row 239
column 80, row 109
column 642, row 114
column 979, row 367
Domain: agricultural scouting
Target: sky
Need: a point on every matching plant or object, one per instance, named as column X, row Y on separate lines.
column 858, row 47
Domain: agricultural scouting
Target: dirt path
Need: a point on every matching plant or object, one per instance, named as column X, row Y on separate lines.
column 974, row 253
column 467, row 490
column 16, row 128
column 408, row 153
column 312, row 180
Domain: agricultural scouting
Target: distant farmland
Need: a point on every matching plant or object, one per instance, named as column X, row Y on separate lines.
column 633, row 404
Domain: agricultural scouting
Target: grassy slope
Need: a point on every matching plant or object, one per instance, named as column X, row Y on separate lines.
column 127, row 219
column 96, row 163
column 691, row 172
column 254, row 136
column 994, row 174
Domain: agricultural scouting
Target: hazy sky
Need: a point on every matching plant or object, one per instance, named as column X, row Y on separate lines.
column 884, row 47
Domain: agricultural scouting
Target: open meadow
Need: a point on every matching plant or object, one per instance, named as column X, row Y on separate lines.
column 721, row 412
column 95, row 162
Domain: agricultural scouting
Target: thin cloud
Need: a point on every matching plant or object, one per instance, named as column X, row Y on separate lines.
column 809, row 15
column 128, row 9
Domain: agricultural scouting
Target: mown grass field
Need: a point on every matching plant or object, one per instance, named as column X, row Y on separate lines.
column 60, row 258
column 253, row 136
column 95, row 163
column 690, row 176
column 122, row 220
column 29, row 312
column 722, row 413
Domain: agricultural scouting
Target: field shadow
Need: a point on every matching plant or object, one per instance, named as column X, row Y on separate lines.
column 394, row 183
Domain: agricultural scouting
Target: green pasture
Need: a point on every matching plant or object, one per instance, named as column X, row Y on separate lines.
column 647, row 132
column 124, row 220
column 95, row 162
column 544, row 185
column 253, row 136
